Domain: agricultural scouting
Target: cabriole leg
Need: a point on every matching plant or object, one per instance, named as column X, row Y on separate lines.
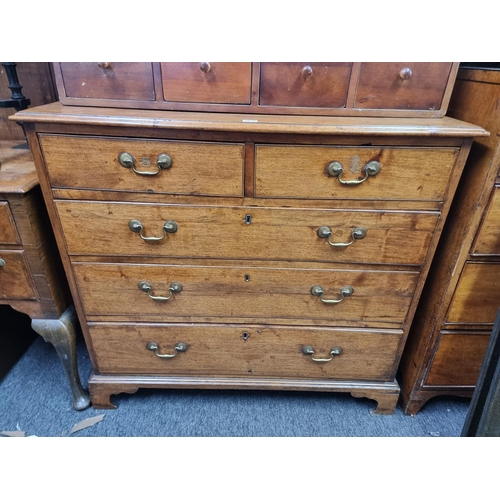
column 61, row 333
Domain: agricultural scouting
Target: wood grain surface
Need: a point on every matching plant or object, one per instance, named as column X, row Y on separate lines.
column 221, row 82
column 15, row 278
column 223, row 232
column 197, row 168
column 254, row 292
column 301, row 172
column 268, row 351
column 458, row 359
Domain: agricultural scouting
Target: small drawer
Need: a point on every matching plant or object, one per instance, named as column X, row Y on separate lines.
column 477, row 296
column 402, row 86
column 320, row 85
column 217, row 293
column 109, row 80
column 207, row 82
column 8, row 230
column 332, row 172
column 458, row 359
column 15, row 279
column 488, row 238
column 153, row 166
column 373, row 237
column 239, row 350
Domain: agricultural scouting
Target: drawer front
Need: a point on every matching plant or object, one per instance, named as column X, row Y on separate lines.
column 458, row 359
column 321, row 85
column 116, row 80
column 218, row 82
column 320, row 172
column 15, row 279
column 212, row 169
column 402, row 86
column 488, row 238
column 216, row 292
column 8, row 230
column 246, row 233
column 245, row 351
column 477, row 295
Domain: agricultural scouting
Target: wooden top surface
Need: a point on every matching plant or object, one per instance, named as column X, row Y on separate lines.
column 77, row 115
column 17, row 170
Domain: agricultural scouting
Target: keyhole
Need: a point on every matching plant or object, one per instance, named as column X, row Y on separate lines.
column 248, row 219
column 245, row 336
column 247, row 277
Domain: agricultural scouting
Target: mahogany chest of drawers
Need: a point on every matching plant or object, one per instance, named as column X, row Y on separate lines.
column 249, row 251
column 462, row 295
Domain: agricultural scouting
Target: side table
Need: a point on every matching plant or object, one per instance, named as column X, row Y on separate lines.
column 32, row 279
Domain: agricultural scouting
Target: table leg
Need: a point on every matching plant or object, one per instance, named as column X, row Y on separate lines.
column 61, row 333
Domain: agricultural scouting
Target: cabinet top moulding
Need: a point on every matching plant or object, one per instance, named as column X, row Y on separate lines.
column 56, row 113
column 383, row 89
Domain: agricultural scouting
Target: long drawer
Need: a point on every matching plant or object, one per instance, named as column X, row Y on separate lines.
column 153, row 166
column 241, row 350
column 333, row 172
column 247, row 233
column 220, row 292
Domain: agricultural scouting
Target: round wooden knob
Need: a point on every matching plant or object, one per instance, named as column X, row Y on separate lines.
column 307, row 71
column 205, row 67
column 104, row 65
column 405, row 74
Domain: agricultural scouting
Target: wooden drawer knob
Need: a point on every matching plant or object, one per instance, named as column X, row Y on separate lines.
column 307, row 71
column 104, row 65
column 405, row 74
column 205, row 67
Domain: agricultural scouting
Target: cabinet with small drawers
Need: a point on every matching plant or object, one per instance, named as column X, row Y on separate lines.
column 221, row 251
column 452, row 328
column 396, row 89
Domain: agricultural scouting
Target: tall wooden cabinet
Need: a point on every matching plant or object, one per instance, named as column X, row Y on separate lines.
column 461, row 298
column 248, row 250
